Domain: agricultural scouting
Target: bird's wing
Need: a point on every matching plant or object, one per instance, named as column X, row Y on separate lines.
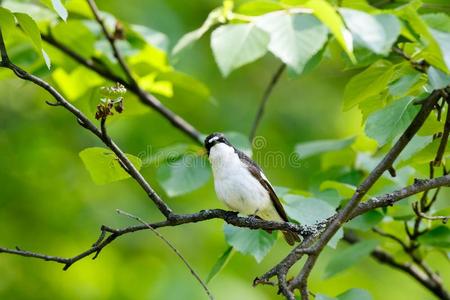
column 256, row 171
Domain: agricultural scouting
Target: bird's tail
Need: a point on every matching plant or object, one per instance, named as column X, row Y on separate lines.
column 291, row 237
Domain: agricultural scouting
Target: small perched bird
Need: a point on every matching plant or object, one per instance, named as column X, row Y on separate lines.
column 240, row 183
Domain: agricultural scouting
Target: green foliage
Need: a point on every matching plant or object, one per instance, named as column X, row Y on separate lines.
column 307, row 149
column 220, row 264
column 249, row 44
column 437, row 237
column 58, row 7
column 351, row 294
column 392, row 120
column 307, row 211
column 103, row 165
column 376, row 33
column 379, row 99
column 365, row 221
column 290, row 33
column 257, row 243
column 184, row 175
column 348, row 257
column 367, row 84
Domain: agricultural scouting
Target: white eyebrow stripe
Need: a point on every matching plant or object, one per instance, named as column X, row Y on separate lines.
column 215, row 138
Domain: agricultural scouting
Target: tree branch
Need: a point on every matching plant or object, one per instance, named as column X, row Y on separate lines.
column 143, row 96
column 431, row 283
column 86, row 123
column 276, row 76
column 419, row 213
column 344, row 214
column 175, row 250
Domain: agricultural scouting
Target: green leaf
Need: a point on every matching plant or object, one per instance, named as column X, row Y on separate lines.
column 411, row 83
column 355, row 294
column 103, row 166
column 259, row 7
column 151, row 36
column 390, row 121
column 235, row 45
column 185, row 86
column 31, row 29
column 369, row 83
column 220, row 264
column 184, row 175
column 308, row 149
column 348, row 257
column 307, row 211
column 376, row 33
column 247, row 241
column 76, row 32
column 7, row 22
column 294, row 38
column 58, row 7
column 75, row 84
column 345, row 190
column 324, row 297
column 432, row 52
column 189, row 38
column 443, row 40
column 328, row 15
column 437, row 78
column 437, row 237
column 365, row 221
column 438, row 21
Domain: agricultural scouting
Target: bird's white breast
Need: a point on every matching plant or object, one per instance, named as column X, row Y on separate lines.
column 234, row 184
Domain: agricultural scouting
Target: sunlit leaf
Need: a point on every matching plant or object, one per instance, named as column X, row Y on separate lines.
column 249, row 43
column 294, row 38
column 31, row 29
column 328, row 15
column 7, row 22
column 259, row 7
column 371, row 82
column 376, row 33
column 103, row 166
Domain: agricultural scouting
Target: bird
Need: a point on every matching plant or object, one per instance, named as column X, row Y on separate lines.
column 241, row 184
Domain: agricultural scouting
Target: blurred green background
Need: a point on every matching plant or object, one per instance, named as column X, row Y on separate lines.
column 49, row 204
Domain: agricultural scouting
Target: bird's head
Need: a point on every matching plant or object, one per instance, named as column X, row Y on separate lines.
column 214, row 139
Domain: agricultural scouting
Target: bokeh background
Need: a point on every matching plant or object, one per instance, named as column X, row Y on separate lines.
column 49, row 204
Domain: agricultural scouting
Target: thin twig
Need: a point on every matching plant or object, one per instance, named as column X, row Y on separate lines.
column 418, row 212
column 171, row 246
column 432, row 284
column 268, row 91
column 6, row 63
column 344, row 214
column 444, row 140
column 146, row 98
column 112, row 42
